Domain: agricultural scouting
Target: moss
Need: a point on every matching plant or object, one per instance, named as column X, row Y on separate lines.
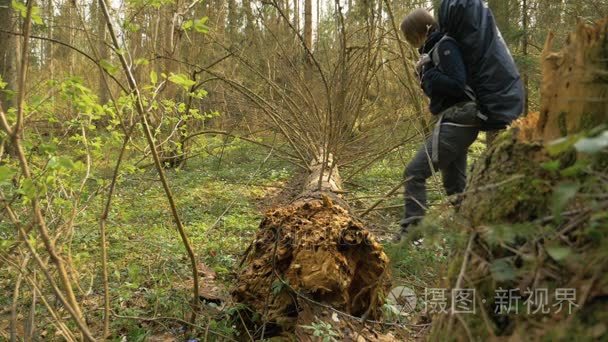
column 539, row 255
column 504, row 185
column 589, row 121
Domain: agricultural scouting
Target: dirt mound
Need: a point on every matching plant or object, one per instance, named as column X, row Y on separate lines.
column 310, row 253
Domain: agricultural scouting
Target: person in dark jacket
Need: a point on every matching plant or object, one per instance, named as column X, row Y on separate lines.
column 446, row 86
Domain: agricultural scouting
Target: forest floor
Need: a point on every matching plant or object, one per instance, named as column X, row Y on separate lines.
column 221, row 196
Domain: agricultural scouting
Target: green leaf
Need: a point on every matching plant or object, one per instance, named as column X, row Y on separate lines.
column 36, row 18
column 28, row 189
column 108, row 66
column 187, row 25
column 132, row 27
column 19, row 7
column 593, row 145
column 6, row 174
column 153, row 77
column 558, row 253
column 57, row 163
column 65, row 162
column 561, row 145
column 22, row 9
column 48, row 148
column 562, row 194
column 552, row 166
column 5, row 244
column 142, row 61
column 578, row 168
column 502, row 270
column 200, row 25
column 199, row 94
column 181, row 80
column 276, row 287
column 500, row 234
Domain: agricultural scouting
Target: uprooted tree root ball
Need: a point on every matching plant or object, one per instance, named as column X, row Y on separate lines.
column 310, row 253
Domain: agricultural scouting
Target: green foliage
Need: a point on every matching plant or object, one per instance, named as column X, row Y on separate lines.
column 6, row 174
column 278, row 286
column 154, row 3
column 503, row 270
column 510, row 233
column 558, row 252
column 181, row 80
column 562, row 194
column 108, row 66
column 22, row 9
column 543, row 249
column 199, row 25
column 323, row 330
column 153, row 77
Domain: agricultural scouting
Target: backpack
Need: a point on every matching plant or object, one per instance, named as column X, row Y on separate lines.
column 492, row 75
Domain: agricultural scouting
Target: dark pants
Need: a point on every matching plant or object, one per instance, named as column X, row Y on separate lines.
column 454, row 144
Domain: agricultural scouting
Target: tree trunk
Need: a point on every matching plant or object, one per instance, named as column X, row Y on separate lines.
column 296, row 14
column 250, row 25
column 311, row 251
column 308, row 39
column 575, row 83
column 102, row 49
column 233, row 18
column 524, row 50
column 9, row 53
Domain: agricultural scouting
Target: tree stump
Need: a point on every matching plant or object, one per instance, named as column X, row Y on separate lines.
column 575, row 83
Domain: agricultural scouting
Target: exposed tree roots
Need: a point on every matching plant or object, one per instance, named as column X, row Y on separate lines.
column 311, row 253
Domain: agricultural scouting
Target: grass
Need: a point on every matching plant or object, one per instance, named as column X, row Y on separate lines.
column 416, row 265
column 221, row 196
column 219, row 199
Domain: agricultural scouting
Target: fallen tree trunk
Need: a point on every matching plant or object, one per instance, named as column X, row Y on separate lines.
column 308, row 257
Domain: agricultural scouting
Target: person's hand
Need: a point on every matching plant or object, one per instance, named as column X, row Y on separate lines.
column 424, row 59
column 427, row 72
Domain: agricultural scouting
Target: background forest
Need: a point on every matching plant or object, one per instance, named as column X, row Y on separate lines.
column 142, row 141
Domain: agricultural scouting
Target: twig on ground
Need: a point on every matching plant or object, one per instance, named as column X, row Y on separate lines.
column 388, row 194
column 461, row 275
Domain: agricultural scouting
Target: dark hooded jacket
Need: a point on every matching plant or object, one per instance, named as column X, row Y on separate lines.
column 444, row 87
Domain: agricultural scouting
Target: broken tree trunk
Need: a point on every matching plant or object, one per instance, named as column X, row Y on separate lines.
column 574, row 92
column 309, row 256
